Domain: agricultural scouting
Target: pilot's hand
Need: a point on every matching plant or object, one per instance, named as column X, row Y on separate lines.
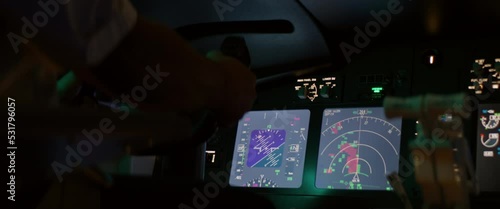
column 238, row 94
column 187, row 81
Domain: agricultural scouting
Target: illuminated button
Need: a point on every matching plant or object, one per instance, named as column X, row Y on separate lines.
column 302, row 93
column 431, row 57
column 210, row 156
column 377, row 90
column 488, row 153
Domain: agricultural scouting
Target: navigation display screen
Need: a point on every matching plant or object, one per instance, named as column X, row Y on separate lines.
column 358, row 148
column 488, row 147
column 270, row 149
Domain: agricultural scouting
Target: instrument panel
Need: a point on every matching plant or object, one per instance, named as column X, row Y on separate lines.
column 347, row 146
column 358, row 148
column 488, row 143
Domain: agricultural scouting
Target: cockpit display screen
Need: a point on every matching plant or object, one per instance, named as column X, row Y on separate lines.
column 270, row 149
column 358, row 148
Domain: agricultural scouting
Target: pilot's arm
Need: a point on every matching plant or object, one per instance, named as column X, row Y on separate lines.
column 109, row 45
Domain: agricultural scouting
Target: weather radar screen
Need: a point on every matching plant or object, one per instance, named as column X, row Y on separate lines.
column 358, row 148
column 270, row 149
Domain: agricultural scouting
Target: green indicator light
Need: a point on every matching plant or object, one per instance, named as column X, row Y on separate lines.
column 377, row 89
column 64, row 84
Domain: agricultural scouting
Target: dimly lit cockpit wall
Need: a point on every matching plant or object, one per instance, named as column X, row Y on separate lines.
column 380, row 48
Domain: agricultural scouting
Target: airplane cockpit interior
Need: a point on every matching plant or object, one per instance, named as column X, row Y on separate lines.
column 360, row 104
